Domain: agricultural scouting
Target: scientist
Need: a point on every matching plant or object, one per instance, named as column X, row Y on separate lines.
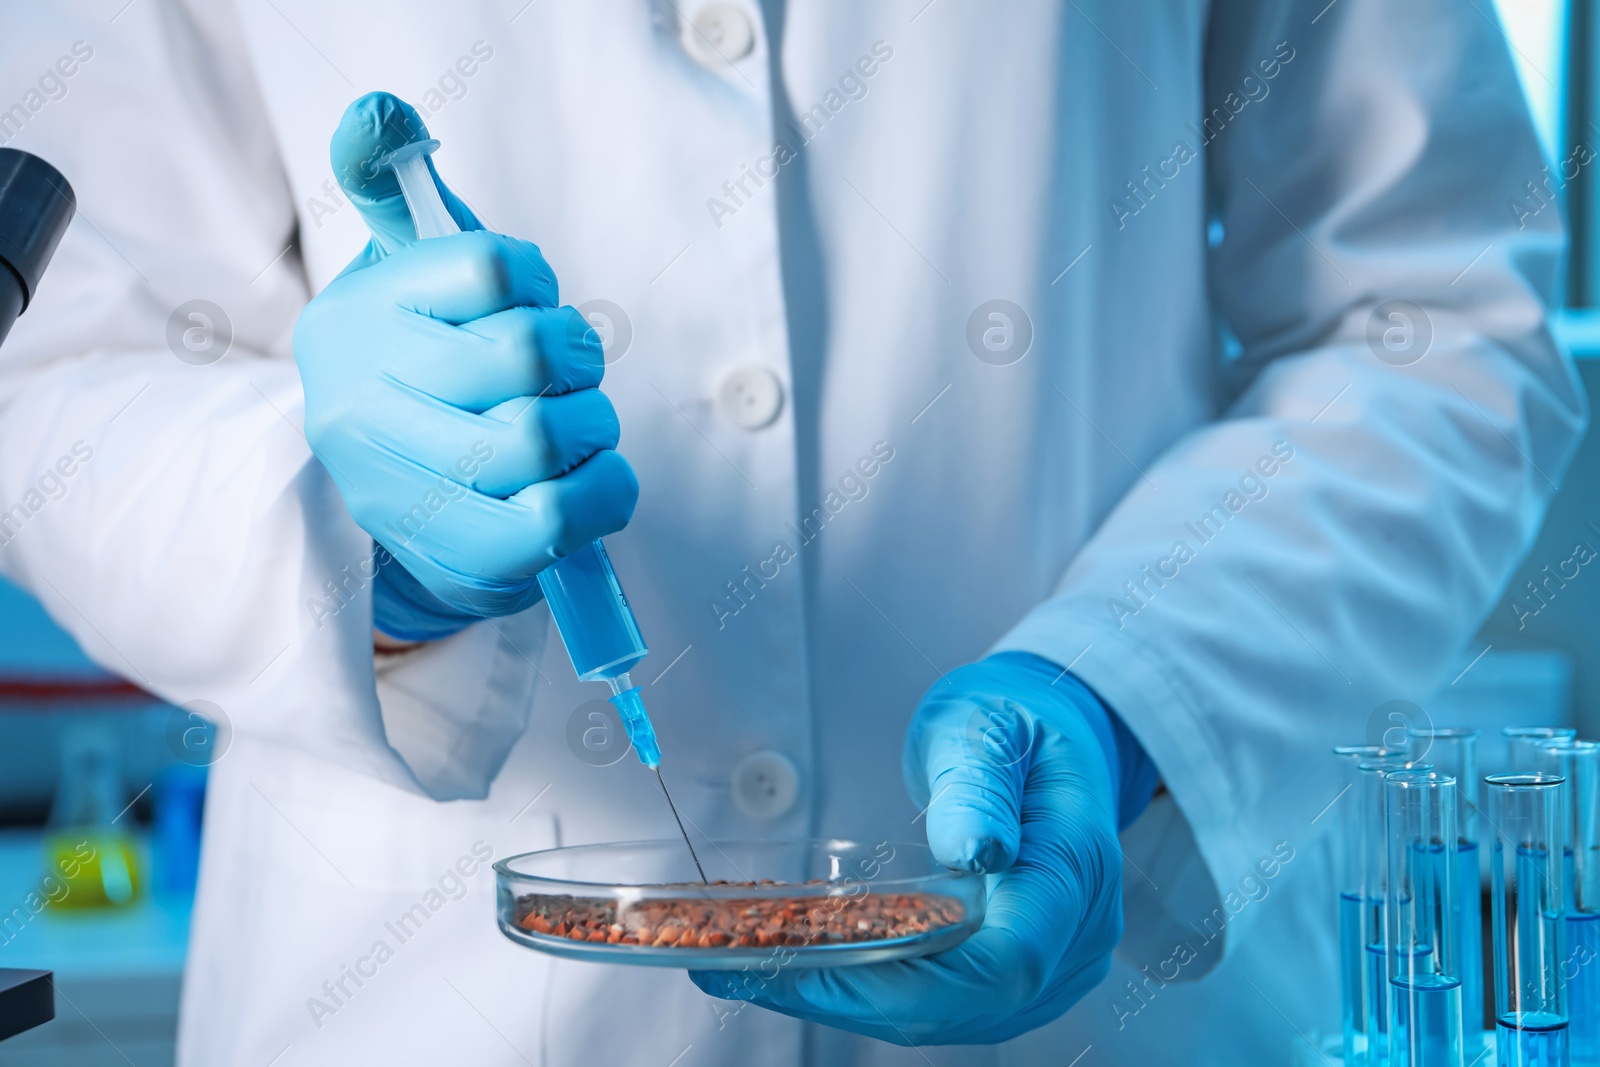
column 1021, row 403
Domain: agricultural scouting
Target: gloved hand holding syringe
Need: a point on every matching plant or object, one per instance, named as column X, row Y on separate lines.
column 454, row 402
column 590, row 609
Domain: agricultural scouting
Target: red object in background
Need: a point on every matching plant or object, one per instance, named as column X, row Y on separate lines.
column 29, row 691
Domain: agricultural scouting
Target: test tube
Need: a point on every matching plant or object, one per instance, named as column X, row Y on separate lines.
column 1530, row 999
column 1421, row 921
column 1523, row 744
column 1582, row 968
column 1352, row 867
column 1579, row 763
column 1454, row 751
column 1350, row 758
column 1362, row 914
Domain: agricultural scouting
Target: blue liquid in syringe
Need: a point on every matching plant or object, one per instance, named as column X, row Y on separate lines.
column 603, row 641
column 1533, row 1039
column 592, row 614
column 602, row 638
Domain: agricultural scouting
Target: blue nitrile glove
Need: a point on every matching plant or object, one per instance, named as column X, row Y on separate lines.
column 1023, row 771
column 453, row 402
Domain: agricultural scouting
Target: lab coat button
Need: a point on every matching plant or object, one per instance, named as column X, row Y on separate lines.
column 765, row 785
column 718, row 35
column 750, row 396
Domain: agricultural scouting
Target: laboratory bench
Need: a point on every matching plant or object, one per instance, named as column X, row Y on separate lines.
column 118, row 971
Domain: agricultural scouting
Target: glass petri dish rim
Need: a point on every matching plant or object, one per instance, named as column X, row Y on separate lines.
column 544, row 884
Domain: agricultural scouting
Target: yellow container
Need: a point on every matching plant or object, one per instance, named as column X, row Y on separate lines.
column 98, row 867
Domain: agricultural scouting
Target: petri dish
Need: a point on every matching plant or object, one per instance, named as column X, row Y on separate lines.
column 805, row 903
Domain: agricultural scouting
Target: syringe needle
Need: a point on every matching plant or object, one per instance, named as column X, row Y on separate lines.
column 630, row 705
column 681, row 830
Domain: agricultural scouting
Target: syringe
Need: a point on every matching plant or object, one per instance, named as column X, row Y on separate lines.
column 591, row 611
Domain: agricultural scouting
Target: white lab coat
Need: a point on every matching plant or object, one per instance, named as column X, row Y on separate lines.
column 990, row 157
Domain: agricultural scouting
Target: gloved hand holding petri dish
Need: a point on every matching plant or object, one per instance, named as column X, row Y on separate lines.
column 435, row 334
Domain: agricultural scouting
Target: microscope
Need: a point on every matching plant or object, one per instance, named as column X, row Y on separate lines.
column 36, row 203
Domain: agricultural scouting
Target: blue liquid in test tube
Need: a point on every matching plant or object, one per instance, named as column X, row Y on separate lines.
column 1579, row 763
column 1583, row 987
column 1363, row 879
column 1355, row 970
column 1531, row 1019
column 1470, row 882
column 1533, row 1039
column 1421, row 921
column 1454, row 751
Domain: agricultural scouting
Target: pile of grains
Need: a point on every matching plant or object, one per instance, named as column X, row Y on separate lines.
column 753, row 922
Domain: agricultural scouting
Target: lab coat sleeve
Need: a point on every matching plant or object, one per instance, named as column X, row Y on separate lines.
column 1334, row 538
column 162, row 502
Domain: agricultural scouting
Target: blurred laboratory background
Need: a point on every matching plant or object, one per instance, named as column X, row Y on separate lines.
column 102, row 786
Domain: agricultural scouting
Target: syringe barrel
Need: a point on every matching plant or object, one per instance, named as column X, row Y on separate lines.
column 590, row 609
column 587, row 601
column 592, row 614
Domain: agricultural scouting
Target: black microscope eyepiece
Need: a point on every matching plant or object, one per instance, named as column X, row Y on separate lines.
column 36, row 204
